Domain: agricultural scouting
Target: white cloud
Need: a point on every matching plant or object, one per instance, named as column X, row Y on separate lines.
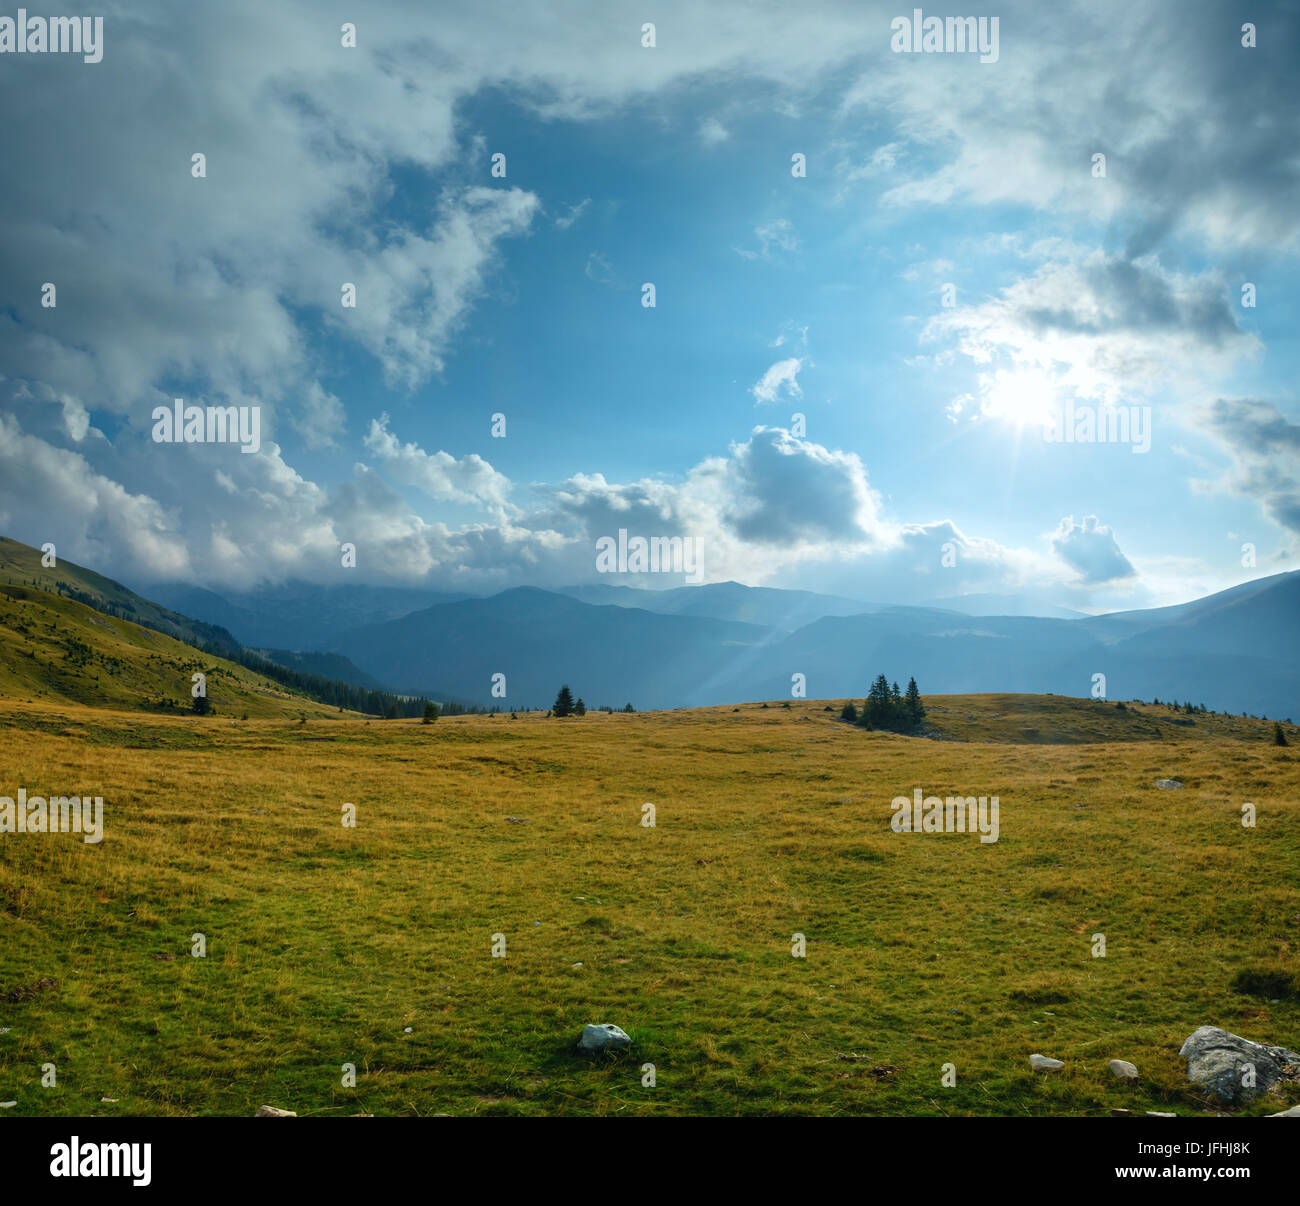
column 439, row 475
column 781, row 380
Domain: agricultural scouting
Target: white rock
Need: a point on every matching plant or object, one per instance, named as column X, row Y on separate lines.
column 1123, row 1069
column 1044, row 1063
column 7, row 1105
column 602, row 1037
column 1160, row 1114
column 1168, row 783
column 271, row 1112
column 1293, row 1112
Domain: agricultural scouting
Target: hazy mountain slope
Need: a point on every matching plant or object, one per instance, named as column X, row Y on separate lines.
column 761, row 605
column 299, row 615
column 538, row 639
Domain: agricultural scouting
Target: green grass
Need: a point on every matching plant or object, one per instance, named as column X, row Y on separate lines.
column 325, row 943
column 57, row 650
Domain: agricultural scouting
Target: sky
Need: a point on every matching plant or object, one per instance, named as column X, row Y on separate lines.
column 885, row 282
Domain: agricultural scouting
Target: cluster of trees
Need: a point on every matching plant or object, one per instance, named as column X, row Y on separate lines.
column 1188, row 708
column 888, row 708
column 566, row 705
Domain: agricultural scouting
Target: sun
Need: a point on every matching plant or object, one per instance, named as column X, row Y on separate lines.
column 1021, row 396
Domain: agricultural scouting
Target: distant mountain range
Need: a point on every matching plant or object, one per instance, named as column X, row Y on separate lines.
column 1237, row 651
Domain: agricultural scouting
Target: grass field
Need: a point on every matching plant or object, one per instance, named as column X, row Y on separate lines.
column 325, row 943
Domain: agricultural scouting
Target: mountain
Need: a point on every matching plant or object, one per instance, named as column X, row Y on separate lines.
column 1234, row 651
column 1004, row 605
column 762, row 605
column 1237, row 651
column 35, row 588
column 297, row 615
column 54, row 649
column 539, row 639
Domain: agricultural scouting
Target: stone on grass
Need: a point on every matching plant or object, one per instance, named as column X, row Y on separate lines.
column 1160, row 1114
column 272, row 1112
column 604, row 1037
column 1168, row 783
column 1044, row 1063
column 1293, row 1112
column 1123, row 1069
column 1221, row 1061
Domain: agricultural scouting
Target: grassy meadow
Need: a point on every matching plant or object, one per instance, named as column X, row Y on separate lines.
column 372, row 945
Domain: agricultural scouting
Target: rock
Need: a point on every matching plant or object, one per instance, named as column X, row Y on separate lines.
column 603, row 1037
column 1293, row 1112
column 1122, row 1114
column 1123, row 1069
column 1168, row 783
column 7, row 1105
column 272, row 1112
column 1044, row 1063
column 1160, row 1114
column 1216, row 1059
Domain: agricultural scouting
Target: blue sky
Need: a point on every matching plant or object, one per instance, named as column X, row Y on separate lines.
column 821, row 296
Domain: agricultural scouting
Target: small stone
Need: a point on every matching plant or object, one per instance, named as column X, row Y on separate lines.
column 602, row 1037
column 409, row 1030
column 1044, row 1063
column 1122, row 1114
column 7, row 1105
column 272, row 1112
column 108, row 1100
column 1123, row 1069
column 1160, row 1114
column 1293, row 1112
column 1168, row 783
column 577, row 965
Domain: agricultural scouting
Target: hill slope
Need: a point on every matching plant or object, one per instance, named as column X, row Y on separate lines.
column 55, row 649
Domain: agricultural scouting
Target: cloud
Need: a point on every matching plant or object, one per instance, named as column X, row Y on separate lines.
column 1100, row 326
column 712, row 132
column 320, row 418
column 1091, row 549
column 439, row 475
column 1265, row 450
column 778, row 234
column 781, row 380
column 565, row 220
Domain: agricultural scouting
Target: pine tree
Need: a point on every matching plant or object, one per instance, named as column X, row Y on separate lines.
column 914, row 710
column 563, row 702
column 430, row 712
column 1279, row 737
column 849, row 712
column 580, row 708
column 628, row 708
column 877, row 710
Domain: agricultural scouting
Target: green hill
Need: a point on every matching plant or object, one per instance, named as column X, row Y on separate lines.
column 55, row 649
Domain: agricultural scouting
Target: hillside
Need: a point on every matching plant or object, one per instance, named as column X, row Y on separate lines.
column 20, row 565
column 54, row 649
